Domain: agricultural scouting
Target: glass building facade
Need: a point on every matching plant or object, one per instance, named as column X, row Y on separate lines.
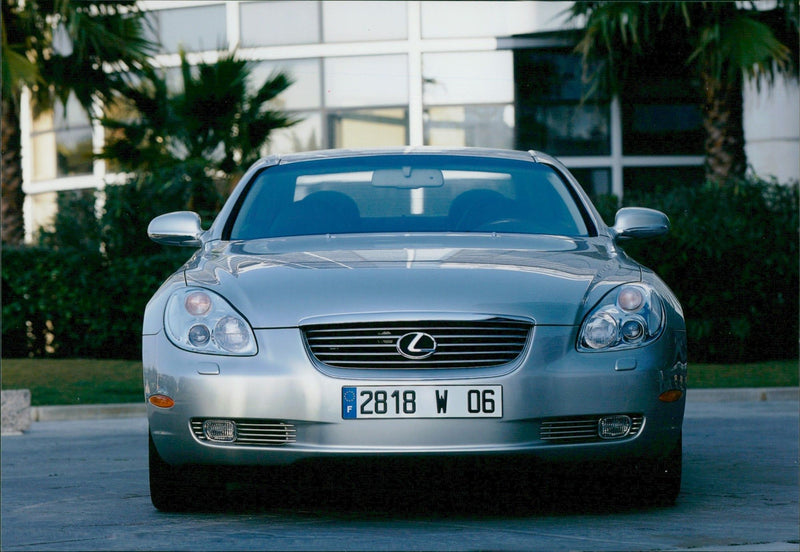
column 375, row 73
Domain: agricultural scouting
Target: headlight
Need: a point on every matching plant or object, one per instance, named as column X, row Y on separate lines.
column 630, row 316
column 201, row 321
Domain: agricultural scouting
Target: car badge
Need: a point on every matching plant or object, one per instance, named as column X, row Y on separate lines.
column 416, row 345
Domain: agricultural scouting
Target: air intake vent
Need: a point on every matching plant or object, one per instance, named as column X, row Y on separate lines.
column 418, row 345
column 251, row 432
column 580, row 430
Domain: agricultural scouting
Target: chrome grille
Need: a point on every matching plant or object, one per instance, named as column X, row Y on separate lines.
column 252, row 432
column 459, row 344
column 582, row 429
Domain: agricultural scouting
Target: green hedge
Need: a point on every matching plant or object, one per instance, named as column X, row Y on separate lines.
column 69, row 303
column 731, row 257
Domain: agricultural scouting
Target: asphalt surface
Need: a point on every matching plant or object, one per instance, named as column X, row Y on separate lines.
column 82, row 485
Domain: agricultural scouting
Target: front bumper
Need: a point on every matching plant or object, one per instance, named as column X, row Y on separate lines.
column 281, row 385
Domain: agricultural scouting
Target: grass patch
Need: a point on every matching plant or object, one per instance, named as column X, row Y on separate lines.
column 75, row 381
column 79, row 381
column 776, row 373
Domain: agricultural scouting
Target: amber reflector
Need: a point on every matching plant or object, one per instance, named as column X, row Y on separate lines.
column 161, row 401
column 670, row 396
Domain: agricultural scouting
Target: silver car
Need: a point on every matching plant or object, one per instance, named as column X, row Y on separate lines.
column 411, row 302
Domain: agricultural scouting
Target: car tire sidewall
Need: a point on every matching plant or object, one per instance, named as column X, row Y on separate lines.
column 171, row 487
column 660, row 478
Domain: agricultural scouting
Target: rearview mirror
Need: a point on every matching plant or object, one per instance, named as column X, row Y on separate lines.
column 407, row 177
column 639, row 222
column 178, row 228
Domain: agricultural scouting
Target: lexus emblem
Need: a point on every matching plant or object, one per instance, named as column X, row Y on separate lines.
column 416, row 345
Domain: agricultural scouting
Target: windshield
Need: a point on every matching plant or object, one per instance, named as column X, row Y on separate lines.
column 402, row 193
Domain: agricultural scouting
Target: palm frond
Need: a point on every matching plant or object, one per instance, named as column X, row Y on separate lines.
column 721, row 36
column 744, row 44
column 213, row 121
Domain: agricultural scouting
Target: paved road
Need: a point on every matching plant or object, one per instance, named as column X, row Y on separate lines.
column 82, row 485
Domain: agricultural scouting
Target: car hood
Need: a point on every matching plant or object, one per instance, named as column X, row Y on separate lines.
column 293, row 281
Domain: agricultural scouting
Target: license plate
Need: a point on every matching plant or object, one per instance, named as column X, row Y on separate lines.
column 422, row 401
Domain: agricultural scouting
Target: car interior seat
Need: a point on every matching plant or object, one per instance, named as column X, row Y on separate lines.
column 324, row 212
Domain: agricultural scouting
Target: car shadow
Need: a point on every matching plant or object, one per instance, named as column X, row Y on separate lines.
column 428, row 489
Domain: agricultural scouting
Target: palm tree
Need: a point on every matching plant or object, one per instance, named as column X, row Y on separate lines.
column 185, row 149
column 56, row 48
column 214, row 118
column 719, row 42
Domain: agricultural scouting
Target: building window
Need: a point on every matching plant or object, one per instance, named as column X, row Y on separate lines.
column 279, row 23
column 481, row 19
column 62, row 142
column 192, row 29
column 359, row 128
column 455, row 78
column 306, row 135
column 489, row 126
column 564, row 129
column 552, row 113
column 364, row 21
column 360, row 81
column 306, row 89
column 661, row 116
column 44, row 208
column 468, row 99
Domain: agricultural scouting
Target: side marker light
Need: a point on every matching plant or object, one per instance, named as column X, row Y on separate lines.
column 670, row 396
column 161, row 401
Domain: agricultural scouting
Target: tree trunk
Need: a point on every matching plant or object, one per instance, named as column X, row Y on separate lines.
column 13, row 224
column 722, row 120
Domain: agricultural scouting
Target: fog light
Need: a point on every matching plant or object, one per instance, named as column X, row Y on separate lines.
column 614, row 427
column 220, row 430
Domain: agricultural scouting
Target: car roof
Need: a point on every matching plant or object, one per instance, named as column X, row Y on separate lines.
column 407, row 150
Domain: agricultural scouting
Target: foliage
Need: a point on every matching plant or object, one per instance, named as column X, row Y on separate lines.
column 70, row 302
column 57, row 48
column 717, row 42
column 191, row 145
column 717, row 37
column 731, row 258
column 82, row 291
column 129, row 208
column 183, row 149
column 75, row 221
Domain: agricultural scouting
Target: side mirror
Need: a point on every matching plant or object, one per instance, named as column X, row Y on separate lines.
column 639, row 222
column 179, row 228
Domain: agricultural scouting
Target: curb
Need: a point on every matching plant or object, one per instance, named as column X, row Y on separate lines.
column 16, row 411
column 758, row 394
column 87, row 412
column 133, row 410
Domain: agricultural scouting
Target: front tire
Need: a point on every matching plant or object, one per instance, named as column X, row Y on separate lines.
column 172, row 488
column 660, row 478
